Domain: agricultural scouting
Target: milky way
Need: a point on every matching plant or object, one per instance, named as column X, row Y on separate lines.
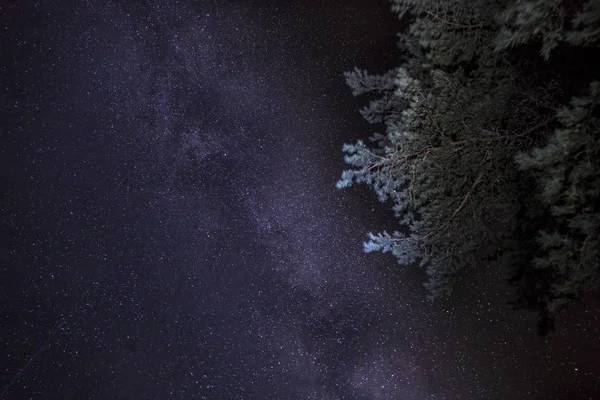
column 173, row 230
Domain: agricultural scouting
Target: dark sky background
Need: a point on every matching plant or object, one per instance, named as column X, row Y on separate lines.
column 170, row 227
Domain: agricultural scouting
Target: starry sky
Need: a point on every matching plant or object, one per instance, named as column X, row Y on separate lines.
column 170, row 227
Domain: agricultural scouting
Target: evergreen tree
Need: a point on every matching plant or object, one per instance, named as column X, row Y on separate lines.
column 551, row 22
column 456, row 113
column 563, row 261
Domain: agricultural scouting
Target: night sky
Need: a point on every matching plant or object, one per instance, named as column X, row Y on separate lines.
column 170, row 227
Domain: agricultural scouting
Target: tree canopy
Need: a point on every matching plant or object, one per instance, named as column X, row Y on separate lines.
column 479, row 156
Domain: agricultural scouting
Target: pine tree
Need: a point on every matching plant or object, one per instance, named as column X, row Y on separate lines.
column 443, row 160
column 550, row 22
column 456, row 113
column 554, row 256
column 563, row 262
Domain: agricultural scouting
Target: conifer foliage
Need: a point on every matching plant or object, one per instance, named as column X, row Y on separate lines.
column 466, row 126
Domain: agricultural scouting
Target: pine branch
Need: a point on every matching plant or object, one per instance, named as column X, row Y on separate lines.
column 413, row 239
column 535, row 127
column 456, row 24
column 467, row 196
column 395, row 160
column 581, row 250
